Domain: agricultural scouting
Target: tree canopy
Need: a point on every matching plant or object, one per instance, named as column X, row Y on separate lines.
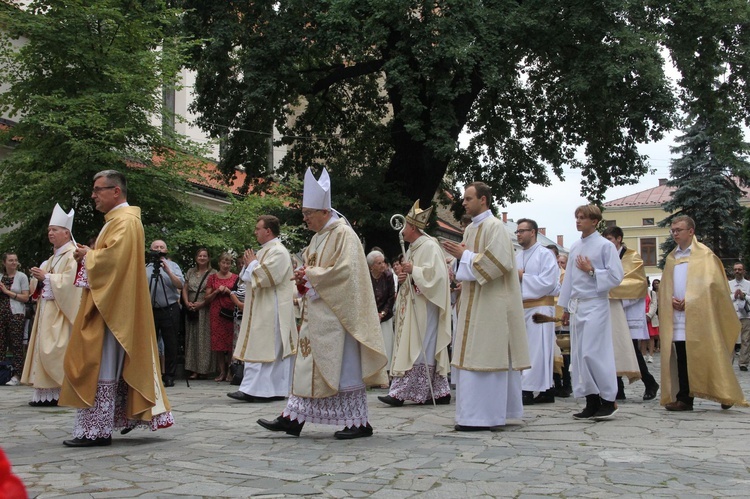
column 380, row 90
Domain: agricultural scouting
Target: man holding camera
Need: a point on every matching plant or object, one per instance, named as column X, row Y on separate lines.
column 165, row 302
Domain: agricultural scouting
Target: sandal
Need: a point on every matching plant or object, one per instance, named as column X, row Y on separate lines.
column 193, row 376
column 221, row 377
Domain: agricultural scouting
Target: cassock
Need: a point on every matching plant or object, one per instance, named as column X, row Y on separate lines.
column 490, row 347
column 627, row 304
column 710, row 328
column 268, row 333
column 592, row 358
column 540, row 284
column 112, row 371
column 340, row 349
column 423, row 321
column 55, row 312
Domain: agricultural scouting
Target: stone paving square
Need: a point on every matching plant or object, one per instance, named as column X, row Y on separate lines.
column 216, row 449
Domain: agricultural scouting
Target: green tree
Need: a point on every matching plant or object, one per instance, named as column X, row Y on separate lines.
column 85, row 79
column 713, row 159
column 379, row 91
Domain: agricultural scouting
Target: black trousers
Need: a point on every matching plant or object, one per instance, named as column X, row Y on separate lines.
column 682, row 373
column 647, row 378
column 167, row 323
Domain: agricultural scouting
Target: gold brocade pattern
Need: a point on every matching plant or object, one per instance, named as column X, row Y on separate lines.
column 304, row 347
column 711, row 328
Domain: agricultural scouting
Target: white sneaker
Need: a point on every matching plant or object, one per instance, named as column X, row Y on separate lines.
column 650, row 359
column 13, row 381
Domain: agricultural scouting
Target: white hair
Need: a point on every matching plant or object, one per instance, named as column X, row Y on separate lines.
column 372, row 255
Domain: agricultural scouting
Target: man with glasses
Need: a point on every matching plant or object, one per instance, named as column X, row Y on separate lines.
column 703, row 325
column 539, row 276
column 111, row 364
column 340, row 350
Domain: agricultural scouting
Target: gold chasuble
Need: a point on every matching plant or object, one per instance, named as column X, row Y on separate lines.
column 633, row 287
column 271, row 285
column 711, row 328
column 336, row 269
column 430, row 277
column 118, row 298
column 491, row 332
column 53, row 322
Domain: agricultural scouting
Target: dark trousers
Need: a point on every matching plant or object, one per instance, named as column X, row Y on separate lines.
column 682, row 373
column 647, row 377
column 167, row 323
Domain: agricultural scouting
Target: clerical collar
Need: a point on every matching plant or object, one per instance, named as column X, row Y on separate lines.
column 121, row 205
column 481, row 217
column 269, row 242
column 678, row 253
column 62, row 248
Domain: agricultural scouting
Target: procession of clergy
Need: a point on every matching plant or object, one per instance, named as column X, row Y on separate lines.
column 93, row 344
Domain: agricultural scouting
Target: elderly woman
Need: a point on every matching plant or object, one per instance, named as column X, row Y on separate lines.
column 218, row 293
column 385, row 296
column 198, row 356
column 14, row 293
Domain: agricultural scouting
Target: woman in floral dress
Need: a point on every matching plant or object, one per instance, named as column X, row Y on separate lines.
column 218, row 293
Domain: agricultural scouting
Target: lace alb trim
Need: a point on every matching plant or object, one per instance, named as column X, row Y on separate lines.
column 413, row 385
column 347, row 408
column 108, row 413
column 45, row 394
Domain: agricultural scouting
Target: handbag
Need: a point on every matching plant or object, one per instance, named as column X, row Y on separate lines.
column 193, row 315
column 226, row 313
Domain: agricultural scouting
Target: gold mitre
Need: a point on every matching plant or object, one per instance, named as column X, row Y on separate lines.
column 419, row 217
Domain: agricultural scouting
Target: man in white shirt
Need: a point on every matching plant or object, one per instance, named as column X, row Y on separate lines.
column 740, row 288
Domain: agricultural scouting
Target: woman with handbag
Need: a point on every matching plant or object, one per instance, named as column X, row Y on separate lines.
column 218, row 294
column 198, row 356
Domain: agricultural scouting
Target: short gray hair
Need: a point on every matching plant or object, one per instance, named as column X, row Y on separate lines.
column 372, row 255
column 116, row 178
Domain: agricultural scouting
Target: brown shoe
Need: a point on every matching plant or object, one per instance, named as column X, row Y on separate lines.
column 678, row 405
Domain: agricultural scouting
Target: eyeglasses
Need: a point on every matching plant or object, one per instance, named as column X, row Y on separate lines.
column 521, row 231
column 98, row 189
column 676, row 231
column 307, row 213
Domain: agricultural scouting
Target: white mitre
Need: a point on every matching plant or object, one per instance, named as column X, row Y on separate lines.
column 317, row 193
column 61, row 219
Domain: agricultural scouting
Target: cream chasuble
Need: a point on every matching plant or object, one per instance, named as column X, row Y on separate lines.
column 711, row 329
column 271, row 284
column 53, row 322
column 491, row 327
column 117, row 298
column 430, row 277
column 336, row 268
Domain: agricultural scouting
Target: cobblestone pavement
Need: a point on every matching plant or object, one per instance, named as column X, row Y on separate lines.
column 217, row 450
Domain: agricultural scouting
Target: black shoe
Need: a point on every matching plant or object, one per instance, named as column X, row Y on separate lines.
column 241, row 396
column 168, row 382
column 606, row 411
column 547, row 397
column 283, row 424
column 743, row 368
column 88, row 442
column 444, row 400
column 527, row 398
column 125, row 431
column 593, row 403
column 349, row 433
column 726, row 406
column 43, row 403
column 460, row 427
column 387, row 399
column 650, row 393
column 563, row 392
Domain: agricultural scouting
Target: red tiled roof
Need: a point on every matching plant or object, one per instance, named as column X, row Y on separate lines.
column 655, row 196
column 445, row 226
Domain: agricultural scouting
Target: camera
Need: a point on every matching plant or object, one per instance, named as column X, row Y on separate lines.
column 154, row 257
